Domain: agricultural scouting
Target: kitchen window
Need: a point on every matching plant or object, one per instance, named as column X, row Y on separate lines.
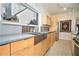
column 19, row 12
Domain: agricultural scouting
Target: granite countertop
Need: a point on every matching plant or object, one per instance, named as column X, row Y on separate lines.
column 4, row 39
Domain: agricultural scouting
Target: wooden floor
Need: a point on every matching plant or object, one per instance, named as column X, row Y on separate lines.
column 60, row 48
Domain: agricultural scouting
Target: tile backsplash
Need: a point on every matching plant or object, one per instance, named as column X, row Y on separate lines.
column 9, row 29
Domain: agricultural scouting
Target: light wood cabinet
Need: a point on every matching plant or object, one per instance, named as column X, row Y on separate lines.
column 18, row 53
column 49, row 20
column 47, row 43
column 49, row 40
column 44, row 46
column 29, row 51
column 5, row 50
column 26, row 47
column 38, row 49
column 41, row 48
column 24, row 52
column 22, row 46
column 18, row 45
column 44, row 20
column 52, row 38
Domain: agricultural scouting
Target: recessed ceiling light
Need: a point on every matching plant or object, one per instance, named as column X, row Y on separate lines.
column 64, row 8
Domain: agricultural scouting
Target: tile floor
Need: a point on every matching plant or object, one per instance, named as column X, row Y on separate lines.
column 60, row 48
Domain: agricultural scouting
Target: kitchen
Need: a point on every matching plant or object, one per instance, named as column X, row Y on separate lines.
column 31, row 29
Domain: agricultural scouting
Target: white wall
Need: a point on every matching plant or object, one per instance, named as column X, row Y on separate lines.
column 67, row 16
column 0, row 12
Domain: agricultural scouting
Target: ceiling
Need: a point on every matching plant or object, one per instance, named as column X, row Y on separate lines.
column 55, row 8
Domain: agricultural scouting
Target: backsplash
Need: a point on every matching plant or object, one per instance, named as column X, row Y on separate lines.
column 29, row 29
column 9, row 29
column 44, row 29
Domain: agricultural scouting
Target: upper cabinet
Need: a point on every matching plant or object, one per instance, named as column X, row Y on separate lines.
column 45, row 20
column 53, row 23
column 19, row 13
column 49, row 20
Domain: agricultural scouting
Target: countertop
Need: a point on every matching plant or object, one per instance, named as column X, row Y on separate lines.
column 4, row 39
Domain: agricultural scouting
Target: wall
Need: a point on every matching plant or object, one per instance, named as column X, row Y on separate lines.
column 67, row 16
column 9, row 29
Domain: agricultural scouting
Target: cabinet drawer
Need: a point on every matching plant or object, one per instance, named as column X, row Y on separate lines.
column 5, row 50
column 18, row 53
column 44, row 46
column 29, row 51
column 29, row 42
column 15, row 46
column 24, row 52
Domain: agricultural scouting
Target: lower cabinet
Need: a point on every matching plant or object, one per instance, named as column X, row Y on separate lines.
column 5, row 50
column 23, row 47
column 26, row 47
column 24, row 52
column 29, row 52
column 52, row 38
column 44, row 46
column 49, row 40
column 38, row 49
column 18, row 53
column 41, row 48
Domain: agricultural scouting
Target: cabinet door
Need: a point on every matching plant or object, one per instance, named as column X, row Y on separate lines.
column 52, row 38
column 24, row 52
column 44, row 20
column 48, row 20
column 38, row 49
column 44, row 46
column 18, row 53
column 22, row 44
column 5, row 50
column 49, row 40
column 29, row 51
column 16, row 46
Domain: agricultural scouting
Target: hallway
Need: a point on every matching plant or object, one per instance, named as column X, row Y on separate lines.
column 60, row 48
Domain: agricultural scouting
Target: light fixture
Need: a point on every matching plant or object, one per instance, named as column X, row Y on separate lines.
column 65, row 8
